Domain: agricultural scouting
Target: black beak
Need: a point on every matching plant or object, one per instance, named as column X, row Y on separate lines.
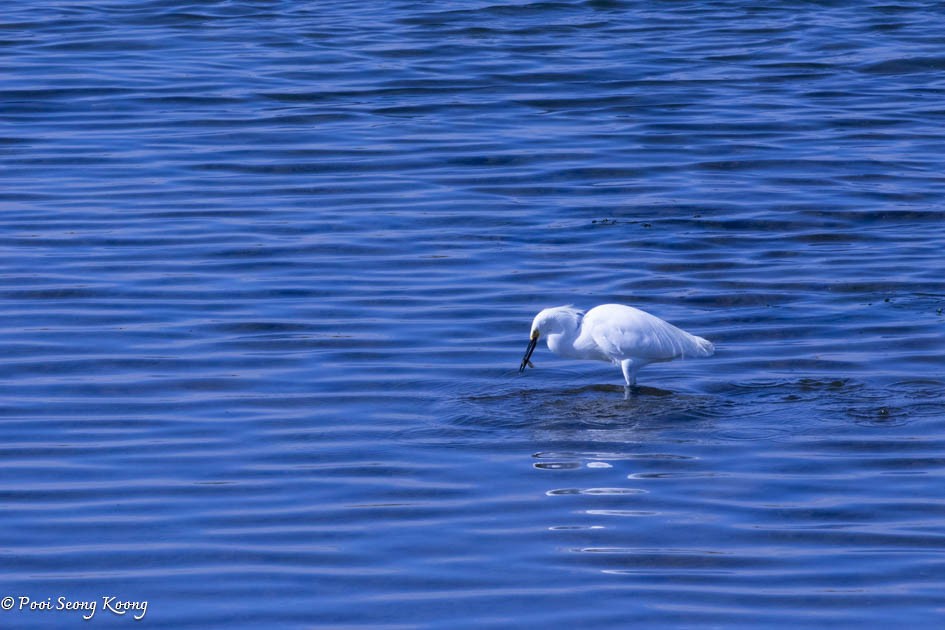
column 528, row 354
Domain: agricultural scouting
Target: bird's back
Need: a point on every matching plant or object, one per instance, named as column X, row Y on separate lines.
column 623, row 332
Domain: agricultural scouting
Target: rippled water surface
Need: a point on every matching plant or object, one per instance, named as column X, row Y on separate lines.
column 269, row 268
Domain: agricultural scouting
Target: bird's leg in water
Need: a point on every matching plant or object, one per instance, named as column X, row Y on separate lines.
column 629, row 372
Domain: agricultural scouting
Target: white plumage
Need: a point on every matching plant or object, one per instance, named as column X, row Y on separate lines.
column 619, row 334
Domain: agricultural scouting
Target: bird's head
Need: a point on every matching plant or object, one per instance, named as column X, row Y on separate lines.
column 550, row 321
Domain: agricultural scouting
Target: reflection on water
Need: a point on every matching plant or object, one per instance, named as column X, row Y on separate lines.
column 771, row 407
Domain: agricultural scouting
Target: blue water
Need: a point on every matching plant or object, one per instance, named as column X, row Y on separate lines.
column 269, row 268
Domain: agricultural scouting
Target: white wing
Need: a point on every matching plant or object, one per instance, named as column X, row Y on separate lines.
column 623, row 332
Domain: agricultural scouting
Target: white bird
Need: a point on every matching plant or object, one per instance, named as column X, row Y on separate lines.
column 615, row 333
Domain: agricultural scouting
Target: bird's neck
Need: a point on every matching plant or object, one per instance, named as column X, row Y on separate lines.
column 562, row 342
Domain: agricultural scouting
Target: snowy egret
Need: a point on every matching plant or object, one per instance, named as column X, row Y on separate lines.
column 615, row 333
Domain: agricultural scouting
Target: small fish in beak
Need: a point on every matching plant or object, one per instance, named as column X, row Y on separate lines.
column 528, row 353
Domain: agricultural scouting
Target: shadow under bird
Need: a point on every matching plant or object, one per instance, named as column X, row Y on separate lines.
column 615, row 333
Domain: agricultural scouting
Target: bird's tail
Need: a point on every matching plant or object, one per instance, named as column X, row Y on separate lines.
column 701, row 348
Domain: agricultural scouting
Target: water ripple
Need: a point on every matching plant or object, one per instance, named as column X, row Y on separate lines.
column 269, row 269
